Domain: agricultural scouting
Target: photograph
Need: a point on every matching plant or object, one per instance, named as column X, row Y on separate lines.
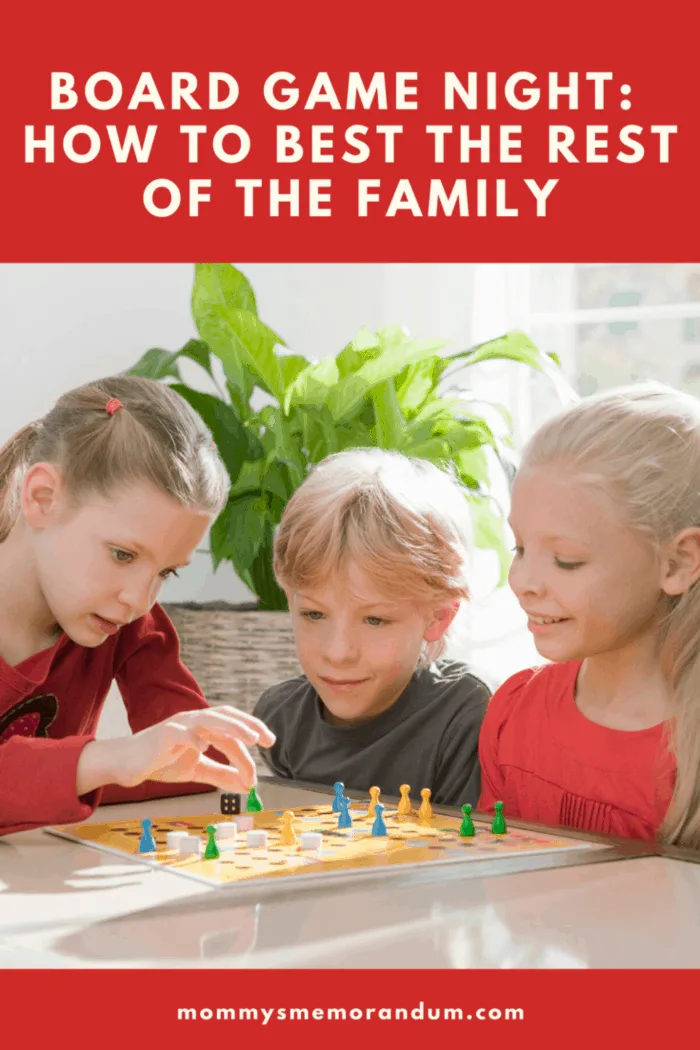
column 349, row 525
column 310, row 563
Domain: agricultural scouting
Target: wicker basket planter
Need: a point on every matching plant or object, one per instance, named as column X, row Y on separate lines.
column 235, row 652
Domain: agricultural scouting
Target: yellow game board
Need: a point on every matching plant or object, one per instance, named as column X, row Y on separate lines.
column 407, row 843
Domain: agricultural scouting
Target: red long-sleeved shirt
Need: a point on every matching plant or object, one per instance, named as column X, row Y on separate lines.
column 49, row 708
column 550, row 764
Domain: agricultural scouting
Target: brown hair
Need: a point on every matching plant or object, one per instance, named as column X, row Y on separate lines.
column 154, row 436
column 405, row 521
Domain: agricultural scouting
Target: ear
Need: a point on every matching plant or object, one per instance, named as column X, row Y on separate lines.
column 682, row 562
column 442, row 618
column 43, row 495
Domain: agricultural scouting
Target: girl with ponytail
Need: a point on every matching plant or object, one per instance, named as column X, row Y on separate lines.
column 606, row 520
column 100, row 502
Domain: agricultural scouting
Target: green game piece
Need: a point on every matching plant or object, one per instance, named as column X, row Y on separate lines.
column 254, row 804
column 499, row 825
column 466, row 828
column 212, row 850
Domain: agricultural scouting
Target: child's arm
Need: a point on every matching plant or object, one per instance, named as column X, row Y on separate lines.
column 155, row 685
column 38, row 783
column 62, row 780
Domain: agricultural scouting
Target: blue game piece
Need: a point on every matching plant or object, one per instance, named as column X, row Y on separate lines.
column 344, row 818
column 339, row 788
column 379, row 827
column 147, row 843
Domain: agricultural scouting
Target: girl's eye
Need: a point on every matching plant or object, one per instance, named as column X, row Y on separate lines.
column 122, row 556
column 518, row 551
column 167, row 573
column 375, row 621
column 312, row 614
column 569, row 565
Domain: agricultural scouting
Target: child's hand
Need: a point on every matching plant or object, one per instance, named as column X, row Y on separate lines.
column 173, row 751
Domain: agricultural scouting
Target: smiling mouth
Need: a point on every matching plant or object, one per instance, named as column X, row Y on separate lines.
column 342, row 681
column 545, row 620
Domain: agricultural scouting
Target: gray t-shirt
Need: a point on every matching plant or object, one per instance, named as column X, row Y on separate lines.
column 427, row 738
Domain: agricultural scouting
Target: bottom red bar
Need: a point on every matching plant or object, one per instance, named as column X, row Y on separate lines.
column 349, row 1008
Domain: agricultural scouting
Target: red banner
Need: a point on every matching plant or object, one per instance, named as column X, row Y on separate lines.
column 371, row 1008
column 370, row 132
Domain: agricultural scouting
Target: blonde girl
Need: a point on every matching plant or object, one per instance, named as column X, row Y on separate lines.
column 606, row 519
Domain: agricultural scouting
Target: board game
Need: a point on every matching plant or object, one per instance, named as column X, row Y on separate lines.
column 409, row 843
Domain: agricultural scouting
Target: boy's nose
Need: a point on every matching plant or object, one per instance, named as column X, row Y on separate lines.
column 341, row 648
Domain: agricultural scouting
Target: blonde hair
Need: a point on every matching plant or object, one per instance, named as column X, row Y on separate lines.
column 403, row 520
column 641, row 444
column 155, row 436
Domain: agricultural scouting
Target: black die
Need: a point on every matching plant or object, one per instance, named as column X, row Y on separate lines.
column 230, row 804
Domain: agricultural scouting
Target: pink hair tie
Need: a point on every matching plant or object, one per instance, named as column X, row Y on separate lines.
column 112, row 405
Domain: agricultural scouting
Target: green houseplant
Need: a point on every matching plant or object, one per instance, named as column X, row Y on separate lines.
column 382, row 389
column 273, row 414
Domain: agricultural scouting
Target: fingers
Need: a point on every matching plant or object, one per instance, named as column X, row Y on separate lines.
column 264, row 736
column 224, row 778
column 236, row 752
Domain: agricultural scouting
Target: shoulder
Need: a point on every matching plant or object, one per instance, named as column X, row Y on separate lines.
column 281, row 698
column 456, row 699
column 450, row 679
column 526, row 687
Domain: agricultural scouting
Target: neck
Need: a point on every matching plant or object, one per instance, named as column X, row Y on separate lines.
column 625, row 688
column 26, row 622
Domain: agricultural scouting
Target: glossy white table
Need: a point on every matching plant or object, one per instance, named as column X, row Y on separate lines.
column 63, row 904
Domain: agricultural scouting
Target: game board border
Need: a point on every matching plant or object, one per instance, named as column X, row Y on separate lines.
column 608, row 849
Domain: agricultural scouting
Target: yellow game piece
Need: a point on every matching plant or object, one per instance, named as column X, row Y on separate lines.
column 288, row 838
column 405, row 808
column 425, row 812
column 374, row 793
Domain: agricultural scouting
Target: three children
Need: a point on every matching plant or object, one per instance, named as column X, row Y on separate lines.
column 114, row 489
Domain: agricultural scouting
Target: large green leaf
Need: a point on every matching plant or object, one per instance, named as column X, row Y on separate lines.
column 238, row 532
column 313, row 384
column 416, row 383
column 516, row 346
column 235, row 442
column 276, row 480
column 390, row 426
column 264, row 584
column 458, row 438
column 291, row 365
column 221, row 284
column 398, row 351
column 488, row 526
column 162, row 364
column 472, row 467
column 239, row 339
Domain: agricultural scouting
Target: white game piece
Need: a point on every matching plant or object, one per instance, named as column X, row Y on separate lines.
column 256, row 839
column 172, row 839
column 244, row 822
column 226, row 830
column 311, row 839
column 189, row 844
